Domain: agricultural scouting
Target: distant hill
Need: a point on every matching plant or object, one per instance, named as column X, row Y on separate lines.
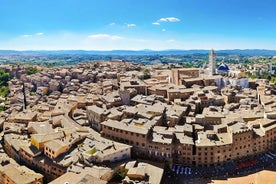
column 251, row 52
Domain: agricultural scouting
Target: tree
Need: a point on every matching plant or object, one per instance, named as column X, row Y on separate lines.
column 4, row 78
column 32, row 70
column 146, row 73
column 4, row 91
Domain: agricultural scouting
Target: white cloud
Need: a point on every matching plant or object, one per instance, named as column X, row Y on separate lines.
column 39, row 34
column 156, row 23
column 105, row 36
column 27, row 35
column 112, row 24
column 164, row 30
column 171, row 40
column 131, row 25
column 168, row 19
column 31, row 35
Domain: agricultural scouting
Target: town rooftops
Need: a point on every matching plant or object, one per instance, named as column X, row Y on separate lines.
column 25, row 116
column 239, row 127
column 163, row 130
column 133, row 83
column 55, row 144
column 211, row 138
column 47, row 137
column 81, row 178
column 102, row 148
column 147, row 100
column 31, row 150
column 126, row 127
column 137, row 172
column 40, row 127
column 98, row 110
column 184, row 139
column 20, row 174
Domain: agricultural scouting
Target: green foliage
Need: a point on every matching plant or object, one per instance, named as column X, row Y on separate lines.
column 137, row 68
column 147, row 74
column 4, row 91
column 120, row 174
column 273, row 61
column 4, row 78
column 32, row 70
column 273, row 80
column 188, row 65
column 2, row 108
column 251, row 76
column 92, row 151
column 265, row 76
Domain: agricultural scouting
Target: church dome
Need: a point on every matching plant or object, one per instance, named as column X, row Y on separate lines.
column 223, row 67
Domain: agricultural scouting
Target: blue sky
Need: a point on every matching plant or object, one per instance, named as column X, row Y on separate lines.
column 137, row 24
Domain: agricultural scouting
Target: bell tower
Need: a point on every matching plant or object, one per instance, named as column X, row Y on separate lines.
column 212, row 62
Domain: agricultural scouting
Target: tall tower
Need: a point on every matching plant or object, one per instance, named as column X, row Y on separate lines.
column 212, row 62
